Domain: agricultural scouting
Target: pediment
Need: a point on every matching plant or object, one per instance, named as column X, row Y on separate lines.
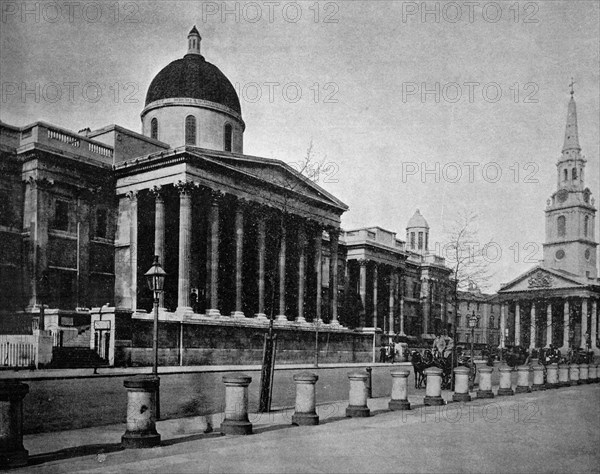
column 540, row 278
column 274, row 172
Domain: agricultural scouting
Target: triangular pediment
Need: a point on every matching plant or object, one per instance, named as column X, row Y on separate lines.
column 539, row 278
column 273, row 172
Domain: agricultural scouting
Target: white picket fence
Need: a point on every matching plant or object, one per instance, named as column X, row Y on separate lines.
column 24, row 350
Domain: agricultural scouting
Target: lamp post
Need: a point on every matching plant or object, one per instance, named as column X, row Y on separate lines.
column 472, row 324
column 156, row 282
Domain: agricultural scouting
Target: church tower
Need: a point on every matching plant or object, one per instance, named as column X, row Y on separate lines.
column 570, row 213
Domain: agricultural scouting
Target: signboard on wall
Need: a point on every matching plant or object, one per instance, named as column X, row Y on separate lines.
column 102, row 325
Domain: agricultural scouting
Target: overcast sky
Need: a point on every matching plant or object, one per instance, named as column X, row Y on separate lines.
column 349, row 76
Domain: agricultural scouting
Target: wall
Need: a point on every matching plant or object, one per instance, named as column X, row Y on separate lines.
column 210, row 344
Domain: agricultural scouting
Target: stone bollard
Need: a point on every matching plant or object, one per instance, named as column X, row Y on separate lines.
column 523, row 379
column 369, row 382
column 399, row 399
column 12, row 452
column 141, row 412
column 574, row 374
column 236, row 405
column 461, row 385
column 552, row 376
column 538, row 378
column 485, row 383
column 433, row 390
column 505, row 381
column 357, row 399
column 583, row 373
column 593, row 373
column 305, row 413
column 563, row 375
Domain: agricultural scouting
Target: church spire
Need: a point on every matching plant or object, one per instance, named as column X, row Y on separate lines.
column 194, row 40
column 571, row 133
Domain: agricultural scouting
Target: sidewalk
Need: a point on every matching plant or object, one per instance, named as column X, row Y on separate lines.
column 551, row 431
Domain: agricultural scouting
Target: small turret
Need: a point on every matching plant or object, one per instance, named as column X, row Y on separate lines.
column 194, row 40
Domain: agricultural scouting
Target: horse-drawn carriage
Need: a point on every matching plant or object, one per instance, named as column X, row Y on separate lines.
column 421, row 361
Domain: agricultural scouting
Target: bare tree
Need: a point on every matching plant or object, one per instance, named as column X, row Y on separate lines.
column 286, row 185
column 467, row 257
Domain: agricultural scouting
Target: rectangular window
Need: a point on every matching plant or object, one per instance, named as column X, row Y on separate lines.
column 61, row 215
column 412, row 240
column 101, row 218
column 420, row 240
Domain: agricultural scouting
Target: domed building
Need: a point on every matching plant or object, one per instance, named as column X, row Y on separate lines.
column 191, row 102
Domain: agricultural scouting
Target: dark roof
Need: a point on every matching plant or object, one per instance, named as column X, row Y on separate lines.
column 194, row 78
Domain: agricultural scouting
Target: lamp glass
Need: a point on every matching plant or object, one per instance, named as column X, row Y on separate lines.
column 156, row 276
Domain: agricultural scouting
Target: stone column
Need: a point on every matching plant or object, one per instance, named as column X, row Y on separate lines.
column 461, row 385
column 261, row 268
column 399, row 400
column 433, row 390
column 305, row 412
column 533, row 328
column 334, row 235
column 425, row 303
column 357, row 399
column 282, row 250
column 133, row 244
column 213, row 309
column 13, row 453
column 236, row 405
column 563, row 375
column 584, row 325
column 363, row 291
column 301, row 273
column 141, row 412
column 517, row 324
column 485, row 383
column 549, row 325
column 392, row 279
column 538, row 378
column 375, row 294
column 400, row 288
column 505, row 388
column 552, row 375
column 502, row 325
column 239, row 257
column 566, row 314
column 319, row 273
column 523, row 379
column 185, row 247
column 594, row 328
column 159, row 231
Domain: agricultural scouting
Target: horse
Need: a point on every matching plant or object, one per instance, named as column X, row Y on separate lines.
column 420, row 363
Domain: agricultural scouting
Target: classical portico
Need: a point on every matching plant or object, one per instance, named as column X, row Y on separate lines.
column 236, row 234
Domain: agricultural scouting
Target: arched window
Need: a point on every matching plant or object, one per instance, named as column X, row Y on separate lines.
column 228, row 134
column 561, row 226
column 566, row 173
column 586, row 225
column 574, row 174
column 154, row 128
column 190, row 130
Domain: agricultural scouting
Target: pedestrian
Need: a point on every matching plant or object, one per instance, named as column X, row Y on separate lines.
column 382, row 353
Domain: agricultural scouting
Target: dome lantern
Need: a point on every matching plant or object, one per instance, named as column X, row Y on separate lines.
column 194, row 40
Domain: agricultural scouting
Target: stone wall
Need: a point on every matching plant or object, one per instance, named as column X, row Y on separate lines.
column 216, row 344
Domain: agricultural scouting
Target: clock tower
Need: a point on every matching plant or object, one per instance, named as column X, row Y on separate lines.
column 570, row 214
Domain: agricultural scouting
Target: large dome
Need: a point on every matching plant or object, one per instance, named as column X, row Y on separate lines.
column 194, row 78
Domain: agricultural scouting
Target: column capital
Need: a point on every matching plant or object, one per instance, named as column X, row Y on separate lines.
column 243, row 204
column 42, row 183
column 363, row 262
column 158, row 192
column 132, row 195
column 185, row 187
column 216, row 197
column 334, row 232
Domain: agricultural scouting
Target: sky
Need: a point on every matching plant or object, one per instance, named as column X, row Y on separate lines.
column 438, row 106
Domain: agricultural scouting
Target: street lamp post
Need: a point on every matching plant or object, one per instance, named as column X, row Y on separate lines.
column 472, row 324
column 156, row 282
